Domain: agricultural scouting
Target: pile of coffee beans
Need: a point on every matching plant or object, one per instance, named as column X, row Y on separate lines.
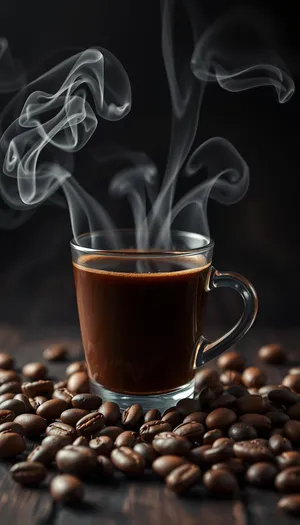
column 237, row 430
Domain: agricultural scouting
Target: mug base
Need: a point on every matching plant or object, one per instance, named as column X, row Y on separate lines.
column 160, row 401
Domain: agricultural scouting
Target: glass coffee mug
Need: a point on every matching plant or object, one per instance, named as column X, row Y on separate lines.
column 141, row 315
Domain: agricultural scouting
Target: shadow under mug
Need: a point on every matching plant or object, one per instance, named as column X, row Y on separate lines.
column 141, row 315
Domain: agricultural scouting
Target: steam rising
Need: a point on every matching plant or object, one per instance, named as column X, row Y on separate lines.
column 59, row 113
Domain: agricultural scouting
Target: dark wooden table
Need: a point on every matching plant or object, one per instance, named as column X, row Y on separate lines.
column 145, row 502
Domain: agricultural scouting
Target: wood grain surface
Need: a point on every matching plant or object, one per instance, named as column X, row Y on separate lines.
column 144, row 502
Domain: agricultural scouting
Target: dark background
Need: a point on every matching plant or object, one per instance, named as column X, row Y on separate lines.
column 257, row 237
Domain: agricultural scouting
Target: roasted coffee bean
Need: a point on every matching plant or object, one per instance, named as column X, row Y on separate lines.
column 6, row 376
column 151, row 415
column 6, row 361
column 6, row 397
column 272, row 354
column 89, row 424
column 111, row 412
column 199, row 417
column 261, row 474
column 192, row 431
column 287, row 459
column 81, row 441
column 230, row 377
column 253, row 377
column 71, row 416
column 147, row 452
column 64, row 394
column 282, row 396
column 251, row 404
column 217, row 454
column 292, row 431
column 294, row 412
column 186, row 406
column 12, row 387
column 11, row 444
column 112, row 432
column 279, row 444
column 78, row 461
column 13, row 427
column 290, row 503
column 166, row 464
column 206, row 377
column 77, row 366
column 295, row 371
column 44, row 454
column 57, row 441
column 278, row 419
column 37, row 401
column 210, row 437
column 34, row 371
column 224, row 401
column 252, row 452
column 264, row 390
column 183, row 478
column 17, row 407
column 38, row 388
column 132, row 417
column 28, row 473
column 222, row 441
column 66, row 489
column 86, row 401
column 57, row 428
column 171, row 444
column 276, row 432
column 102, row 445
column 173, row 418
column 288, row 480
column 234, row 465
column 127, row 439
column 56, row 352
column 220, row 482
column 150, row 429
column 196, row 455
column 261, row 423
column 25, row 401
column 60, row 384
column 32, row 424
column 231, row 361
column 237, row 391
column 6, row 416
column 78, row 383
column 205, row 397
column 292, row 381
column 52, row 409
column 242, row 432
column 128, row 461
column 170, row 409
column 105, row 467
column 220, row 418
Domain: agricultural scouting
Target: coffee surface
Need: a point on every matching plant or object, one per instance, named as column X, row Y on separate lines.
column 140, row 320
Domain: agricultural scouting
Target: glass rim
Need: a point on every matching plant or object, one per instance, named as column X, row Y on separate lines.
column 144, row 253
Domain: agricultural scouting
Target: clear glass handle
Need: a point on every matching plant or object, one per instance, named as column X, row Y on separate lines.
column 207, row 350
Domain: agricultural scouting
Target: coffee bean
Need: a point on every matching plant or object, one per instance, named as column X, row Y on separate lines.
column 183, row 478
column 220, row 418
column 77, row 366
column 242, row 432
column 151, row 415
column 66, row 489
column 224, row 401
column 294, row 412
column 25, row 401
column 295, row 371
column 89, row 424
column 6, row 416
column 127, row 439
column 173, row 418
column 11, row 426
column 261, row 423
column 17, row 407
column 64, row 394
column 278, row 419
column 205, row 397
column 222, row 441
column 210, row 437
column 264, row 390
column 276, row 432
column 150, row 429
column 37, row 401
column 186, row 406
column 147, row 452
column 78, row 461
column 78, row 383
column 38, row 388
column 171, row 444
column 71, row 416
column 132, row 417
column 231, row 361
column 11, row 444
column 272, row 354
column 290, row 503
column 6, row 361
column 288, row 480
column 128, row 461
column 105, row 467
column 6, row 397
column 34, row 371
column 81, row 441
column 112, row 432
column 111, row 412
column 196, row 455
column 86, row 401
column 12, row 387
column 217, row 454
column 220, row 482
column 292, row 381
column 192, row 431
column 199, row 417
column 253, row 377
column 32, row 424
column 282, row 396
column 27, row 473
column 237, row 391
column 234, row 465
column 56, row 352
column 102, row 445
column 163, row 465
column 279, row 444
column 206, row 377
column 288, row 459
column 252, row 452
column 292, row 431
column 6, row 376
column 57, row 428
column 261, row 474
column 51, row 409
column 57, row 441
column 230, row 377
column 251, row 404
column 44, row 454
column 60, row 384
